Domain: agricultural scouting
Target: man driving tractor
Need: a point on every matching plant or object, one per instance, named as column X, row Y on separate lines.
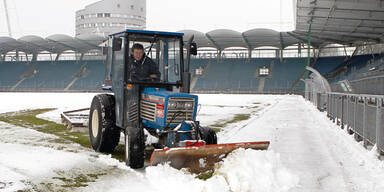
column 142, row 68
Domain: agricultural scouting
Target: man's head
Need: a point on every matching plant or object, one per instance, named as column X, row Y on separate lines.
column 137, row 51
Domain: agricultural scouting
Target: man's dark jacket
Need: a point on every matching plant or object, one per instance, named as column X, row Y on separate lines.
column 139, row 70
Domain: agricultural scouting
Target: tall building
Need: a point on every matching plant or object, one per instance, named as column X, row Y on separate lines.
column 108, row 16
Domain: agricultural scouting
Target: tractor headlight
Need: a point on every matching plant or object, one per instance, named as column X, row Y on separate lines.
column 188, row 105
column 172, row 105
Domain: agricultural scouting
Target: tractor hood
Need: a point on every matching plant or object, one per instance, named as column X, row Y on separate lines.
column 161, row 92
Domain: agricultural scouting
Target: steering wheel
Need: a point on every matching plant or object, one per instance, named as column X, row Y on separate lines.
column 150, row 79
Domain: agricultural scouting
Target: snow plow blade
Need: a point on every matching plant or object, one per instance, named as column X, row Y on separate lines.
column 202, row 158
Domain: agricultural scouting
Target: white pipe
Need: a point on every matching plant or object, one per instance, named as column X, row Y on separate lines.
column 7, row 18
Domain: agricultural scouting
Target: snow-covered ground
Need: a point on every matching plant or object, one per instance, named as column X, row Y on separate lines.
column 307, row 152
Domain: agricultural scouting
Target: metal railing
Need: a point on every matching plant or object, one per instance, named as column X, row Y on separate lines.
column 360, row 114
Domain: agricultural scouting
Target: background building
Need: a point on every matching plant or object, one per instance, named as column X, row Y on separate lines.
column 109, row 16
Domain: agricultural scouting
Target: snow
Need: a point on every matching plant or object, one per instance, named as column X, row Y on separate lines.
column 251, row 170
column 219, row 107
column 307, row 152
column 62, row 101
column 202, row 162
column 28, row 155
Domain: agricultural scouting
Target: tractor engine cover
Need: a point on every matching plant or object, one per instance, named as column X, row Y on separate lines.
column 161, row 109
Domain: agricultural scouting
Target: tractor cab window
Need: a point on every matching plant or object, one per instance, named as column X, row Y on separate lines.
column 153, row 59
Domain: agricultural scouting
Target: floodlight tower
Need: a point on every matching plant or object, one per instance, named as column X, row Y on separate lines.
column 7, row 18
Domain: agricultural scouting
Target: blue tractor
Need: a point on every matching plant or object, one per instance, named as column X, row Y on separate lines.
column 162, row 106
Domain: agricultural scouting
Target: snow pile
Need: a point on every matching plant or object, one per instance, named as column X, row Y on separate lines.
column 244, row 170
column 254, row 170
column 167, row 179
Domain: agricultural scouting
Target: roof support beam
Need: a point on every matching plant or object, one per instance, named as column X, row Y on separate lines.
column 331, row 10
column 320, row 8
column 357, row 26
column 213, row 42
column 302, row 40
column 248, row 45
column 282, row 45
column 339, row 18
column 57, row 56
column 322, row 38
column 349, row 5
column 81, row 56
column 246, row 41
column 347, row 34
column 34, row 57
column 360, row 33
column 319, row 23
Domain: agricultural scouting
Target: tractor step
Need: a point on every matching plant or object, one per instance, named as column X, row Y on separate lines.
column 199, row 159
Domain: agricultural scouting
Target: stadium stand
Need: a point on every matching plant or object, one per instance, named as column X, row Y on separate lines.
column 364, row 78
column 242, row 75
column 10, row 73
column 50, row 76
column 285, row 74
column 225, row 75
column 349, row 69
column 326, row 64
column 217, row 75
column 93, row 79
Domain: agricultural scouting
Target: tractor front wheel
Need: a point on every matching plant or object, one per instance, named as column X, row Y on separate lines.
column 103, row 133
column 134, row 148
column 208, row 135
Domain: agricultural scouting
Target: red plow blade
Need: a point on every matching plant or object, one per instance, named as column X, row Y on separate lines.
column 198, row 159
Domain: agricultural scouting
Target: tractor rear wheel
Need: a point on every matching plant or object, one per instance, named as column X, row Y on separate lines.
column 208, row 135
column 103, row 133
column 134, row 148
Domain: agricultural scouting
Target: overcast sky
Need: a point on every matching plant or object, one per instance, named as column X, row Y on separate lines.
column 47, row 17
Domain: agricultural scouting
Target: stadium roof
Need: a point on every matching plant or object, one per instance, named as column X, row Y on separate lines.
column 251, row 39
column 343, row 22
column 54, row 43
column 219, row 39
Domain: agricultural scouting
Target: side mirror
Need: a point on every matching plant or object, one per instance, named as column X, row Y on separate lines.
column 116, row 44
column 193, row 48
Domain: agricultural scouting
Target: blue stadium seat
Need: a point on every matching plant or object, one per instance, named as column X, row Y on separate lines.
column 10, row 73
column 227, row 74
column 50, row 76
column 94, row 79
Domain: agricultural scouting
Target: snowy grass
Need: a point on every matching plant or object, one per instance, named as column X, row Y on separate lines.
column 36, row 161
column 28, row 119
column 235, row 119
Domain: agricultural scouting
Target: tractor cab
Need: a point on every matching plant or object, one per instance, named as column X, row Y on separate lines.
column 147, row 95
column 165, row 49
